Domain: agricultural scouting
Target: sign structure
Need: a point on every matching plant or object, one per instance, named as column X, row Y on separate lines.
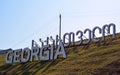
column 51, row 51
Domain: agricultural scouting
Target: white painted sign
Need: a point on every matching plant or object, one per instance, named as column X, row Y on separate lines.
column 49, row 51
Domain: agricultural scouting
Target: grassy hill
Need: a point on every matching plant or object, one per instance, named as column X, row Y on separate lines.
column 93, row 59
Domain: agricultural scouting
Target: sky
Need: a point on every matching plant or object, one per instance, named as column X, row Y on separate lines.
column 22, row 21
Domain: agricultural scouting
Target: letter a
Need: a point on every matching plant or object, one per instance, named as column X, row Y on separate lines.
column 60, row 50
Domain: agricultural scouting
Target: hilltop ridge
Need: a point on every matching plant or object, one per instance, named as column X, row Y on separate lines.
column 93, row 59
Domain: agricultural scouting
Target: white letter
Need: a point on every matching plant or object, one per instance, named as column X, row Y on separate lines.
column 89, row 35
column 51, row 52
column 79, row 37
column 93, row 34
column 71, row 39
column 108, row 30
column 9, row 59
column 44, row 53
column 25, row 56
column 17, row 55
column 58, row 52
column 34, row 50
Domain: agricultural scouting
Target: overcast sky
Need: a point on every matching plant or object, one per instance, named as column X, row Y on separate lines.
column 24, row 20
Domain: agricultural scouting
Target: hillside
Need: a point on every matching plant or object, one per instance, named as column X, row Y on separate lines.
column 93, row 59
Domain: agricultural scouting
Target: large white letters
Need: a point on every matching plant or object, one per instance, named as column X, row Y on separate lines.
column 51, row 48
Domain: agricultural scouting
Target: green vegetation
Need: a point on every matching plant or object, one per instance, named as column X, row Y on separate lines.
column 93, row 59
